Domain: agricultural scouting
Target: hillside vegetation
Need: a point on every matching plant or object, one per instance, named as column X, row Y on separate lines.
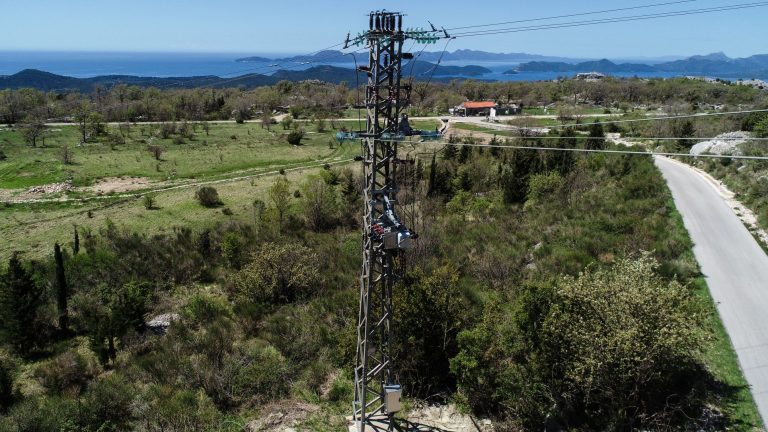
column 518, row 299
column 546, row 290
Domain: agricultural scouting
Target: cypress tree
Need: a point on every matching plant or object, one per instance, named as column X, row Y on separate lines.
column 76, row 243
column 596, row 140
column 20, row 301
column 449, row 153
column 432, row 174
column 62, row 291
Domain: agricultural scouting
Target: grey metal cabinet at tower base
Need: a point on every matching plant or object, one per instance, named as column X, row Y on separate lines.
column 392, row 398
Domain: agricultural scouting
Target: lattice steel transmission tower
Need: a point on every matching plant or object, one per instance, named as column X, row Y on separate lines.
column 377, row 395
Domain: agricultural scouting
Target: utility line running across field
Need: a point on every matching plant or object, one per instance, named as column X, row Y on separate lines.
column 654, row 118
column 571, row 15
column 628, row 138
column 621, row 152
column 612, row 20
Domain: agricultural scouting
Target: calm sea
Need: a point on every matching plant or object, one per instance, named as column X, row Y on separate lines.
column 90, row 64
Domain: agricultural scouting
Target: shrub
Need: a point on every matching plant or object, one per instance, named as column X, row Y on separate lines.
column 166, row 130
column 67, row 373
column 295, row 137
column 208, row 196
column 173, row 409
column 7, row 395
column 259, row 371
column 543, row 186
column 156, row 150
column 286, row 122
column 149, row 201
column 67, row 155
column 602, row 351
column 761, row 128
column 277, row 274
column 107, row 404
column 3, row 156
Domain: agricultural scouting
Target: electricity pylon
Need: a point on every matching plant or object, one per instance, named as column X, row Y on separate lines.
column 377, row 395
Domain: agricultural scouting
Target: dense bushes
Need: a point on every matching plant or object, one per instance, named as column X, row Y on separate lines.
column 277, row 274
column 294, row 137
column 208, row 196
column 613, row 349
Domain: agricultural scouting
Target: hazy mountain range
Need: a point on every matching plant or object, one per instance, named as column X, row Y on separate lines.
column 330, row 56
column 713, row 64
column 52, row 82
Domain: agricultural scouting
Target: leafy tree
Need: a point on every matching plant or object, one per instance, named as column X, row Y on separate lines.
column 81, row 115
column 66, row 154
column 112, row 314
column 32, row 132
column 20, row 302
column 232, row 249
column 601, row 351
column 320, row 203
column 157, row 151
column 280, row 195
column 431, row 309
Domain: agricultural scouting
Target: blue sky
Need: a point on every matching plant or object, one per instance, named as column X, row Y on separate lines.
column 283, row 26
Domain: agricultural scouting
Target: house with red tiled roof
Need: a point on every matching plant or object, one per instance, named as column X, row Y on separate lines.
column 472, row 108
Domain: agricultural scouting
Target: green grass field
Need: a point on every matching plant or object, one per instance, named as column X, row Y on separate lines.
column 227, row 148
column 242, row 169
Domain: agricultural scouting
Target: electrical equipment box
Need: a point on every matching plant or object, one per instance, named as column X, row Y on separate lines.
column 392, row 395
column 397, row 240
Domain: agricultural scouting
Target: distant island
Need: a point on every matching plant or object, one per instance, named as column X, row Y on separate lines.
column 46, row 81
column 465, row 55
column 712, row 64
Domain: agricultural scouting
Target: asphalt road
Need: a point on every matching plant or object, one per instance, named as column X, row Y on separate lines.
column 735, row 266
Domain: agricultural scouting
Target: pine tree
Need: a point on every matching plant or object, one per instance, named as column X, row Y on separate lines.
column 464, row 154
column 449, row 153
column 596, row 140
column 62, row 291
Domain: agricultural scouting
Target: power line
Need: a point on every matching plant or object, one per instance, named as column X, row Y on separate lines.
column 651, row 119
column 572, row 15
column 624, row 152
column 534, row 137
column 612, row 20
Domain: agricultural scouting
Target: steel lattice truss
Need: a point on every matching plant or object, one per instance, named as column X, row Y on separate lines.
column 381, row 261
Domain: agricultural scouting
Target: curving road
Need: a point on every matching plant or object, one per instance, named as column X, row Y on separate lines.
column 735, row 266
